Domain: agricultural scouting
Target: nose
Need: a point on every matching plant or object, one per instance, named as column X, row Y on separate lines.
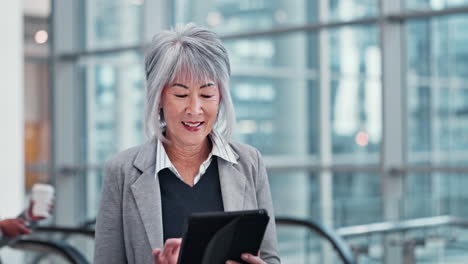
column 194, row 107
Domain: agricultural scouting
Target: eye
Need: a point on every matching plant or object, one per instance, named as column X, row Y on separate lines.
column 181, row 95
column 206, row 96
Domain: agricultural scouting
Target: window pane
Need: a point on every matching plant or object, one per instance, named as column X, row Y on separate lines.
column 433, row 194
column 356, row 103
column 274, row 118
column 297, row 244
column 110, row 23
column 438, row 91
column 357, row 199
column 114, row 109
column 304, row 202
column 275, row 93
column 227, row 16
column 431, row 4
column 352, row 9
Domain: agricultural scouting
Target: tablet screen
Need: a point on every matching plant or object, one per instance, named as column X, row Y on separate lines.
column 212, row 238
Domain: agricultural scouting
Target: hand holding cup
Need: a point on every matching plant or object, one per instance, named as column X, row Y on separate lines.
column 41, row 201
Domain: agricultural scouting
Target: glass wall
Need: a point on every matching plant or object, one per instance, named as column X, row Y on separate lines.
column 276, row 88
column 437, row 113
column 308, row 89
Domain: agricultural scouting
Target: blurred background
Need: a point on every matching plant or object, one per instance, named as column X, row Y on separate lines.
column 359, row 107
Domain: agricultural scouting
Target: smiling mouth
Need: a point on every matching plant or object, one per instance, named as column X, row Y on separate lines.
column 192, row 124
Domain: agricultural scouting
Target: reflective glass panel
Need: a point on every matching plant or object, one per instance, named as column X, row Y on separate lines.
column 303, row 202
column 352, row 9
column 114, row 109
column 433, row 194
column 437, row 90
column 434, row 4
column 356, row 100
column 357, row 199
column 110, row 23
column 297, row 244
column 275, row 93
column 228, row 16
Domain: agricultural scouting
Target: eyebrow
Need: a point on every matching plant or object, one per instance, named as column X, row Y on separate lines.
column 207, row 85
column 186, row 87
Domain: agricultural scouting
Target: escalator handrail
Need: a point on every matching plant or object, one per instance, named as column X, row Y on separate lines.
column 65, row 230
column 341, row 247
column 58, row 247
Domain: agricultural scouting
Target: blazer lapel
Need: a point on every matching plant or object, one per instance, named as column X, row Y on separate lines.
column 232, row 186
column 147, row 195
column 146, row 191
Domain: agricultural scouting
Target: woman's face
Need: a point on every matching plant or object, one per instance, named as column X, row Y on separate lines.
column 190, row 111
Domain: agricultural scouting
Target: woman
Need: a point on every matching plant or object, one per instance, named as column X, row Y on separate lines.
column 188, row 165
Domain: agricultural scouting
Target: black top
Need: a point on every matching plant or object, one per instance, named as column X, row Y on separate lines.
column 179, row 200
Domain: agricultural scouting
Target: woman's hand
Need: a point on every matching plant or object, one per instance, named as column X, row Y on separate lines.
column 249, row 258
column 14, row 227
column 169, row 254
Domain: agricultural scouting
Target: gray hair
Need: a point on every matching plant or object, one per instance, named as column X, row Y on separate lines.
column 190, row 52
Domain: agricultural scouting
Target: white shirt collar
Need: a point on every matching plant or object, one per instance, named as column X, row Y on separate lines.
column 221, row 149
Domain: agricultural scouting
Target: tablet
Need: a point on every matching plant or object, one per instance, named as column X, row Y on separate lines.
column 214, row 238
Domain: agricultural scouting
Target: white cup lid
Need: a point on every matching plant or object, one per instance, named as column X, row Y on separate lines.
column 42, row 187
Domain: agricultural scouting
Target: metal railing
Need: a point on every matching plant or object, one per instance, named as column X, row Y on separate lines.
column 340, row 246
column 50, row 247
column 400, row 227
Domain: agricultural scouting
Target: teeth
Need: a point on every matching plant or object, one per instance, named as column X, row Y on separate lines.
column 192, row 125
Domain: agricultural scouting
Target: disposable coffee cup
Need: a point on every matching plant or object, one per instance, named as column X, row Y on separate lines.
column 42, row 195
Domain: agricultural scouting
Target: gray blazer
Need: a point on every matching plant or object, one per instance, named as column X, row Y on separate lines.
column 129, row 222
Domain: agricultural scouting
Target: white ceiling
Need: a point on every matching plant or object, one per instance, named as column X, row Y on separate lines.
column 36, row 7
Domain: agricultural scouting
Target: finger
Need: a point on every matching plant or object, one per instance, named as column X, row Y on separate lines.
column 166, row 251
column 20, row 221
column 30, row 208
column 19, row 229
column 171, row 245
column 173, row 242
column 156, row 253
column 176, row 243
column 252, row 259
column 176, row 252
column 232, row 262
column 22, row 229
column 37, row 218
column 30, row 215
column 170, row 252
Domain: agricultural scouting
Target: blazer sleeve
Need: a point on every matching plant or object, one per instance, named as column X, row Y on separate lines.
column 269, row 247
column 109, row 240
